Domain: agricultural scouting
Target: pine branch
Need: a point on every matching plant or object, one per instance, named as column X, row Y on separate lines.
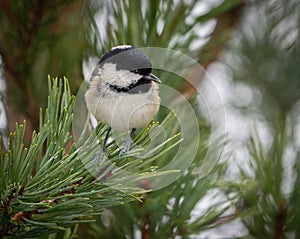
column 48, row 187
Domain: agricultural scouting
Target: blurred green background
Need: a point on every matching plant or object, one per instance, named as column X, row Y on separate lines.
column 257, row 44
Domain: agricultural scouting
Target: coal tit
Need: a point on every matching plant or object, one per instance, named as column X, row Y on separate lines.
column 123, row 92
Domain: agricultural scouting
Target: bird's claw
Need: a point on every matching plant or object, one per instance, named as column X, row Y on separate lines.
column 100, row 158
column 126, row 147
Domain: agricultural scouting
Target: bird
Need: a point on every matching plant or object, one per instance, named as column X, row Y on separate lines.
column 123, row 92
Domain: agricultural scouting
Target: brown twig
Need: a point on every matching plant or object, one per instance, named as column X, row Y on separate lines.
column 146, row 227
column 146, row 222
column 280, row 218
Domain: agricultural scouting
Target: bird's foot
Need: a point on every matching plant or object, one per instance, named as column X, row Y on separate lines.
column 126, row 147
column 101, row 171
column 100, row 158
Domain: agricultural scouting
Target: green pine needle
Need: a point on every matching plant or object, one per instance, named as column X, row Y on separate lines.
column 45, row 186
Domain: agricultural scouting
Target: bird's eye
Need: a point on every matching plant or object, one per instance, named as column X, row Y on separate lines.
column 142, row 71
column 146, row 71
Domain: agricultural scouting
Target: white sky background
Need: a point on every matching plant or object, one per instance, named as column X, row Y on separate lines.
column 3, row 115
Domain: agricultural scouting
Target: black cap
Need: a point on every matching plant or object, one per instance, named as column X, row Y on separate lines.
column 126, row 58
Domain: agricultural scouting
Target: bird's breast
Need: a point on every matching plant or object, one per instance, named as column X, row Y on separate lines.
column 125, row 111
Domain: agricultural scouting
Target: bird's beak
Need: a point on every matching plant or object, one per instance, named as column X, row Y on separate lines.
column 152, row 77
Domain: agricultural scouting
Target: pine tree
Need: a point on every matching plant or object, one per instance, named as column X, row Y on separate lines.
column 50, row 187
column 44, row 188
column 268, row 62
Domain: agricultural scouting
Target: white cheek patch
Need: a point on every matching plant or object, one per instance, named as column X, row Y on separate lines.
column 122, row 78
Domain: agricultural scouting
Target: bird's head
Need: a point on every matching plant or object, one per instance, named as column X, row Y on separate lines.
column 125, row 69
